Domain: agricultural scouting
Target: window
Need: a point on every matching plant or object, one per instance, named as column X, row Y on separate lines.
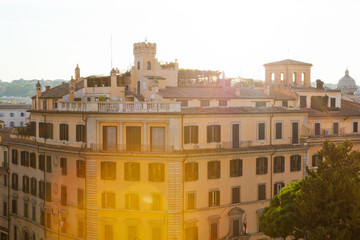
column 191, row 134
column 24, row 158
column 42, row 162
column 132, row 171
column 214, row 198
column 48, row 220
column 213, row 133
column 46, row 130
column 14, row 156
column 80, row 133
column 261, row 192
column 48, row 191
column 156, row 233
column 132, row 201
column 148, row 65
column 285, row 103
column 236, row 166
column 295, row 163
column 184, row 103
column 44, row 105
column 335, row 128
column 316, row 158
column 133, row 138
column 14, row 206
column 14, row 181
column 317, row 129
column 12, row 124
column 63, row 195
column 191, row 171
column 108, row 170
column 278, row 187
column 108, row 232
column 55, row 104
column 132, row 233
column 42, row 190
column 5, row 209
column 25, row 187
column 261, row 131
column 332, row 102
column 42, row 217
column 214, row 231
column 5, row 180
column 12, row 114
column 204, row 103
column 261, row 165
column 156, row 201
column 33, row 185
column 80, row 168
column 108, row 200
column 303, row 101
column 191, row 200
column 213, row 169
column 222, row 103
column 235, row 194
column 279, row 164
column 191, row 233
column 33, row 213
column 157, row 139
column 138, row 65
column 48, row 164
column 109, row 138
column 80, row 198
column 33, row 160
column 81, row 229
column 236, row 227
column 278, row 130
column 355, row 126
column 26, row 208
column 260, row 104
column 64, row 131
column 63, row 166
column 156, row 172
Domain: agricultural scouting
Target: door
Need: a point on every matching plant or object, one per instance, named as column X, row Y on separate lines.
column 236, row 135
column 295, row 133
column 133, row 138
column 109, row 138
column 157, row 139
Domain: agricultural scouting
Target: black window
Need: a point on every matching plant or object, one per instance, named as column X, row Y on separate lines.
column 63, row 195
column 284, row 103
column 63, row 166
column 278, row 130
column 261, row 192
column 80, row 133
column 33, row 129
column 80, row 168
column 335, row 128
column 260, row 104
column 191, row 134
column 204, row 103
column 132, row 171
column 48, row 164
column 303, row 101
column 14, row 181
column 236, row 167
column 48, row 192
column 64, row 131
column 33, row 185
column 5, row 210
column 25, row 187
column 332, row 102
column 279, row 164
column 355, row 127
column 214, row 198
column 46, row 130
column 108, row 170
column 80, row 198
column 213, row 133
column 156, row 172
column 33, row 160
column 191, row 171
column 14, row 156
column 235, row 192
column 295, row 163
column 278, row 187
column 14, row 206
column 316, row 158
column 317, row 129
column 213, row 169
column 261, row 131
column 42, row 162
column 222, row 103
column 26, row 209
column 25, row 158
column 261, row 165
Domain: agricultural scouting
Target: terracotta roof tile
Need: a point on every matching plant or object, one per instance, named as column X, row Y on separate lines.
column 60, row 90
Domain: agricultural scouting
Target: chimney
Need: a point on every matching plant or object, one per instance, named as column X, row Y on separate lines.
column 319, row 84
column 47, row 88
column 38, row 89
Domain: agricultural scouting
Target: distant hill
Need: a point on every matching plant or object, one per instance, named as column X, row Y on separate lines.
column 25, row 88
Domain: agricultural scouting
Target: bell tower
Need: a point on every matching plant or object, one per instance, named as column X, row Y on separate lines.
column 77, row 73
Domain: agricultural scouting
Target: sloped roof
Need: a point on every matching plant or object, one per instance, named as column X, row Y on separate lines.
column 15, row 106
column 348, row 109
column 287, row 62
column 60, row 90
column 237, row 110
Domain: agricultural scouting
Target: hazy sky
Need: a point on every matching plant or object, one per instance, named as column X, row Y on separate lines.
column 45, row 39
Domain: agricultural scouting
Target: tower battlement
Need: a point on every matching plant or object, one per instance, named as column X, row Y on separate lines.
column 145, row 49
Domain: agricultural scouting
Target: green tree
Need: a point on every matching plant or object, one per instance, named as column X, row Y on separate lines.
column 325, row 204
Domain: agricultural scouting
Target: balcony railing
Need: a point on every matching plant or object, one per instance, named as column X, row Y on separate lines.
column 131, row 148
column 120, row 106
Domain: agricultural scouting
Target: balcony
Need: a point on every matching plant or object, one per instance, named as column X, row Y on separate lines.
column 130, row 107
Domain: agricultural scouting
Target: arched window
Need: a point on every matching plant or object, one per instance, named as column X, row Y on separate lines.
column 294, row 78
column 138, row 65
column 303, row 78
column 148, row 65
column 282, row 78
column 26, row 235
column 272, row 76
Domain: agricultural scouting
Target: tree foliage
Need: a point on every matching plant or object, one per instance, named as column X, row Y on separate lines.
column 325, row 204
column 24, row 88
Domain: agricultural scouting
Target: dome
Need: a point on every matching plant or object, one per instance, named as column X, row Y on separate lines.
column 347, row 84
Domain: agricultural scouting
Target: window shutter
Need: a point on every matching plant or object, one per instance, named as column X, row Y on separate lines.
column 240, row 167
column 275, row 189
column 258, row 166
column 196, row 171
column 103, row 172
column 103, row 199
column 217, row 133
column 151, row 172
column 209, row 134
column 292, row 163
column 217, row 198
column 126, row 170
column 282, row 164
column 209, row 170
column 266, row 165
column 186, row 134
column 195, row 132
column 218, row 169
column 210, row 199
column 298, row 162
column 232, row 168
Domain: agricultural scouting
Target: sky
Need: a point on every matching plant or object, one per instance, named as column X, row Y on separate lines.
column 45, row 39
